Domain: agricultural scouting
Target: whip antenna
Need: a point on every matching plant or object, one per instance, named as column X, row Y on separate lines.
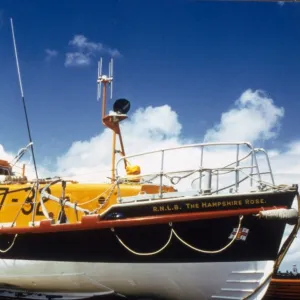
column 23, row 99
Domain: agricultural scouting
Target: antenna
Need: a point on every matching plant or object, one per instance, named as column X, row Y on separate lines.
column 104, row 79
column 23, row 98
column 111, row 72
column 99, row 76
column 26, row 117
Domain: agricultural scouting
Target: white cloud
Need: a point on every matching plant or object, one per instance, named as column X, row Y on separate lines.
column 281, row 3
column 4, row 154
column 158, row 127
column 81, row 42
column 254, row 117
column 85, row 50
column 77, row 59
column 50, row 54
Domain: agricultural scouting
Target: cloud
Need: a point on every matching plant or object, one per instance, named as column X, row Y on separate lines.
column 254, row 117
column 85, row 51
column 5, row 155
column 50, row 54
column 281, row 3
column 158, row 127
column 77, row 59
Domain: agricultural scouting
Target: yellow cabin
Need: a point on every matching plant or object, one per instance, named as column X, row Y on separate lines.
column 20, row 204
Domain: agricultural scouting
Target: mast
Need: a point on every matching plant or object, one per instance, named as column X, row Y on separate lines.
column 113, row 118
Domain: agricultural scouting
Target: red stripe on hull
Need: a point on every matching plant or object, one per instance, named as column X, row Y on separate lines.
column 94, row 221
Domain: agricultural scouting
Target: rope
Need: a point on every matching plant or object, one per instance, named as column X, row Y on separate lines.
column 46, row 195
column 284, row 248
column 179, row 178
column 108, row 197
column 258, row 287
column 211, row 251
column 76, row 206
column 147, row 253
column 289, row 240
column 98, row 196
column 281, row 187
column 182, row 241
column 11, row 245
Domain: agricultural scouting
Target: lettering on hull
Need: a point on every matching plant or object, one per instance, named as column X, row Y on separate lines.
column 207, row 204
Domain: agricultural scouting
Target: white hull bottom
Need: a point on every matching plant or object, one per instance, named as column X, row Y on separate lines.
column 176, row 281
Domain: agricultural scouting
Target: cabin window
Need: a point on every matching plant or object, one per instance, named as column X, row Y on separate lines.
column 4, row 171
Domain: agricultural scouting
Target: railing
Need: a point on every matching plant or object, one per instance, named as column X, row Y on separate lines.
column 15, row 173
column 225, row 167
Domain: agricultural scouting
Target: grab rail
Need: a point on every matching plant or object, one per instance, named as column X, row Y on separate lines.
column 236, row 166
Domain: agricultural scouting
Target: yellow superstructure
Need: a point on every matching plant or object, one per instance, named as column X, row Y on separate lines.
column 20, row 205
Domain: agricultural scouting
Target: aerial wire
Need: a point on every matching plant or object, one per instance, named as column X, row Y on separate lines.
column 26, row 116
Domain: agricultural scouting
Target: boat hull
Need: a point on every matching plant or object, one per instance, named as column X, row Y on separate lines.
column 261, row 242
column 176, row 281
column 96, row 261
column 191, row 258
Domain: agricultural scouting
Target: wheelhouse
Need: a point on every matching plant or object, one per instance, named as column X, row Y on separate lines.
column 5, row 168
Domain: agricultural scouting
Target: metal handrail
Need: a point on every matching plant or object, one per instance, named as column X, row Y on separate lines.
column 185, row 147
column 235, row 166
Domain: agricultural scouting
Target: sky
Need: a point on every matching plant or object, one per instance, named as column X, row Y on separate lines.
column 194, row 71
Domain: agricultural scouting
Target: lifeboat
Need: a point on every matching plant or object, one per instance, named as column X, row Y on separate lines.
column 207, row 228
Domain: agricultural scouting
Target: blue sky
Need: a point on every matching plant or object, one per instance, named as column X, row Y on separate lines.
column 196, row 57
